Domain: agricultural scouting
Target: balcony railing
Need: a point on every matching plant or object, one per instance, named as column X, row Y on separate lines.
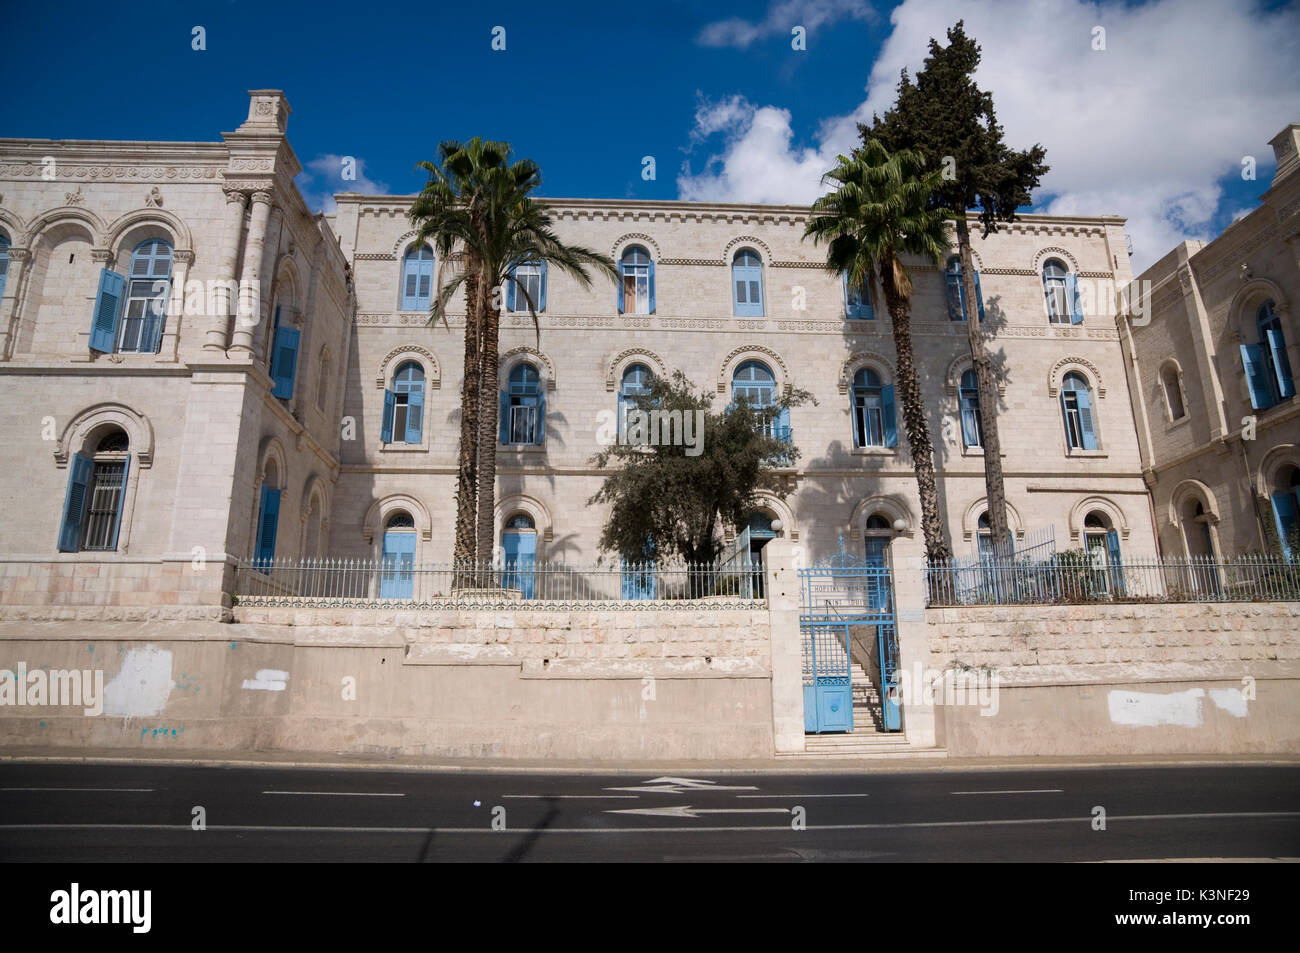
column 516, row 584
column 1064, row 579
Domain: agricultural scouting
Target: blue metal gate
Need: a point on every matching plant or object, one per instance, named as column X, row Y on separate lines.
column 838, row 596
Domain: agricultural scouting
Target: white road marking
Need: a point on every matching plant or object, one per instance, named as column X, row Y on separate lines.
column 682, row 785
column 686, row 811
column 573, row 797
column 252, row 828
column 1039, row 791
column 132, row 790
column 338, row 793
column 801, row 797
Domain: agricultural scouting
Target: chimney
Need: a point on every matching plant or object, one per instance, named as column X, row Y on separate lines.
column 1286, row 147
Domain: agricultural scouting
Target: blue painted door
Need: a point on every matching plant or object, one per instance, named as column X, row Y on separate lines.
column 397, row 580
column 828, row 686
column 520, row 551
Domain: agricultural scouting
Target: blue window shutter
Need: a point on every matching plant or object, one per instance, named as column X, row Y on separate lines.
column 1252, row 360
column 956, row 297
column 108, row 309
column 1281, row 364
column 783, row 425
column 409, row 280
column 539, row 436
column 74, row 503
column 979, row 295
column 121, row 502
column 1285, row 515
column 510, row 289
column 1116, row 567
column 504, row 425
column 268, row 519
column 970, row 432
column 155, row 315
column 424, row 289
column 652, row 287
column 1085, row 419
column 541, row 303
column 386, row 424
column 889, row 416
column 1072, row 295
column 4, row 263
column 620, row 287
column 414, row 415
column 284, row 361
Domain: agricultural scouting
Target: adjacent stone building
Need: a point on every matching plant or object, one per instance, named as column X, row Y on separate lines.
column 157, row 434
column 1210, row 370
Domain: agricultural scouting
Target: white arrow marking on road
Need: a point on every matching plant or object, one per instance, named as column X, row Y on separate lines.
column 681, row 785
column 686, row 811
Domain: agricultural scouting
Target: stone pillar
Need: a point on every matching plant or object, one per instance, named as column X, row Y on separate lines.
column 908, row 557
column 782, row 583
column 251, row 311
column 217, row 337
column 270, row 251
column 19, row 260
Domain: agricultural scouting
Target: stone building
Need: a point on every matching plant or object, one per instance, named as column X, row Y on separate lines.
column 1210, row 370
column 158, row 436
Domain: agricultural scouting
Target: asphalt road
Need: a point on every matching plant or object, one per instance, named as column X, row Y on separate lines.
column 143, row 813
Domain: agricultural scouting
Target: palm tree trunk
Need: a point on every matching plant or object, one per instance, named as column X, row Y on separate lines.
column 908, row 390
column 988, row 394
column 489, row 331
column 466, row 550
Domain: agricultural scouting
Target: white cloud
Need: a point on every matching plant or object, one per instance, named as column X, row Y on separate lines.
column 1144, row 129
column 782, row 16
column 322, row 178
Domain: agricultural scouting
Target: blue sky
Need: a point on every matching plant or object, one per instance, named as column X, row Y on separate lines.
column 713, row 91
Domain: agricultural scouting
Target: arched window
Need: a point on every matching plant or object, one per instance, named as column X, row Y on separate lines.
column 417, row 278
column 753, row 382
column 1061, row 290
column 523, row 407
column 747, row 284
column 857, row 301
column 4, row 261
column 874, row 420
column 968, row 396
column 1076, row 408
column 146, row 299
column 519, row 553
column 636, row 285
column 1285, row 497
column 956, row 291
column 635, row 383
column 1101, row 541
column 404, row 405
column 1173, row 392
column 397, row 576
column 1268, row 369
column 526, row 288
column 92, row 507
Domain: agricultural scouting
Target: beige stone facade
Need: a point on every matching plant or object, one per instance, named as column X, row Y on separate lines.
column 205, row 432
column 1223, row 463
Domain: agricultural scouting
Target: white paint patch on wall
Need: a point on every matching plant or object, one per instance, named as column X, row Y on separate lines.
column 142, row 685
column 1150, row 709
column 268, row 680
column 1230, row 700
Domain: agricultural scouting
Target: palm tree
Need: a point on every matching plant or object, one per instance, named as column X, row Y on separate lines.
column 878, row 212
column 481, row 206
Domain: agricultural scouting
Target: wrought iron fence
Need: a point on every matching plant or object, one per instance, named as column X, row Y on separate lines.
column 1073, row 578
column 400, row 583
